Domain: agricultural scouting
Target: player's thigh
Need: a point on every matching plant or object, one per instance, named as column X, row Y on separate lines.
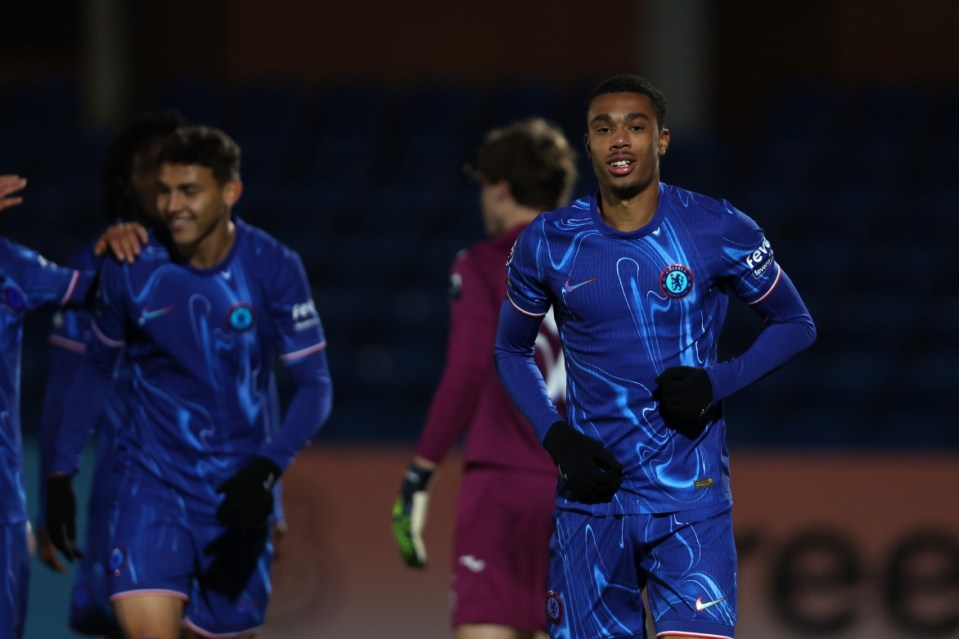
column 500, row 549
column 595, row 587
column 15, row 572
column 153, row 550
column 691, row 573
column 150, row 615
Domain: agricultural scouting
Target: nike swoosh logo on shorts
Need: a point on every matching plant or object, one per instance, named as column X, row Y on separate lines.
column 700, row 605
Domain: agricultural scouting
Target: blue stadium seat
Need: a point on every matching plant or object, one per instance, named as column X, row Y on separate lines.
column 803, row 108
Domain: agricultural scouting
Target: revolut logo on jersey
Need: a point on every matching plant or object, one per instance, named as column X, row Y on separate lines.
column 305, row 315
column 760, row 259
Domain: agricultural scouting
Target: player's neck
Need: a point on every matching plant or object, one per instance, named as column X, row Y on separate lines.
column 211, row 248
column 631, row 212
column 509, row 218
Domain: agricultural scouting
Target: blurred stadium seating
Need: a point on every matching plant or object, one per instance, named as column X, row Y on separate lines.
column 856, row 188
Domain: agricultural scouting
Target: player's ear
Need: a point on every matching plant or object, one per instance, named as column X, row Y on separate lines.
column 232, row 191
column 663, row 142
column 501, row 190
column 586, row 144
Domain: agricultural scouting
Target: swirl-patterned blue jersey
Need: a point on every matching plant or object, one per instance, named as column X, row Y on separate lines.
column 27, row 282
column 202, row 344
column 69, row 335
column 628, row 305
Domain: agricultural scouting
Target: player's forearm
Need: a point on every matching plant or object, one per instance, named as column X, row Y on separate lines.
column 518, row 371
column 468, row 366
column 63, row 367
column 307, row 412
column 451, row 409
column 789, row 331
column 86, row 398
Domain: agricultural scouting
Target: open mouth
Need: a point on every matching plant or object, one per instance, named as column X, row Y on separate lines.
column 621, row 166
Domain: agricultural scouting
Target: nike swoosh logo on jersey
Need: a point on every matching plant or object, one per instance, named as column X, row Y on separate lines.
column 472, row 563
column 700, row 605
column 146, row 314
column 569, row 287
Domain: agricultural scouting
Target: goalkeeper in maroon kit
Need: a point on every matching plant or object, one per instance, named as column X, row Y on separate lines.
column 505, row 503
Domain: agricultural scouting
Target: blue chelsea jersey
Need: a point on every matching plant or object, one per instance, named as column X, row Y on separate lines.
column 630, row 304
column 202, row 345
column 27, row 282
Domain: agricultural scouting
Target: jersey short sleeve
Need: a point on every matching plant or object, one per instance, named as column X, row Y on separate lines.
column 749, row 264
column 40, row 282
column 109, row 319
column 525, row 287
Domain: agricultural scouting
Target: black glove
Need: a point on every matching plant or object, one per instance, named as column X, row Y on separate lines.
column 590, row 470
column 248, row 494
column 685, row 397
column 409, row 515
column 61, row 515
column 235, row 555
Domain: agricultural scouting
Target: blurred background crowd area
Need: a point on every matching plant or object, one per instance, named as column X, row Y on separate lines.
column 834, row 124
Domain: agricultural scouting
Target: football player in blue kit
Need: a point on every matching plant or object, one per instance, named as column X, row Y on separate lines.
column 639, row 276
column 129, row 195
column 27, row 282
column 203, row 313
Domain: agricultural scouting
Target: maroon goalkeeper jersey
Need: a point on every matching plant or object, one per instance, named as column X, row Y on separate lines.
column 470, row 395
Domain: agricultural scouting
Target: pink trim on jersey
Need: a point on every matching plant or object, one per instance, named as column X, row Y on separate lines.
column 779, row 273
column 103, row 338
column 71, row 288
column 149, row 592
column 212, row 635
column 526, row 313
column 676, row 633
column 68, row 344
column 303, row 352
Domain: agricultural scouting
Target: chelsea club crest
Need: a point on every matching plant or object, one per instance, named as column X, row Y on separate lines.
column 676, row 281
column 241, row 317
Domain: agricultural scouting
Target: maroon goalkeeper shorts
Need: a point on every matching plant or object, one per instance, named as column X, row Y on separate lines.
column 504, row 520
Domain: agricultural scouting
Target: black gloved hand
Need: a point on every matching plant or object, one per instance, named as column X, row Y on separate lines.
column 590, row 470
column 409, row 515
column 685, row 397
column 248, row 494
column 236, row 554
column 61, row 515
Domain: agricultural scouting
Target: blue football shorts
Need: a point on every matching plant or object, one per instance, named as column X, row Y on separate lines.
column 223, row 573
column 600, row 565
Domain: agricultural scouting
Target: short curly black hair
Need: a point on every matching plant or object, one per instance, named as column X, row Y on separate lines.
column 628, row 83
column 205, row 146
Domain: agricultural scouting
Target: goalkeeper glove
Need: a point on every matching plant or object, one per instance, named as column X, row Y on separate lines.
column 685, row 397
column 409, row 515
column 590, row 470
column 61, row 515
column 248, row 494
